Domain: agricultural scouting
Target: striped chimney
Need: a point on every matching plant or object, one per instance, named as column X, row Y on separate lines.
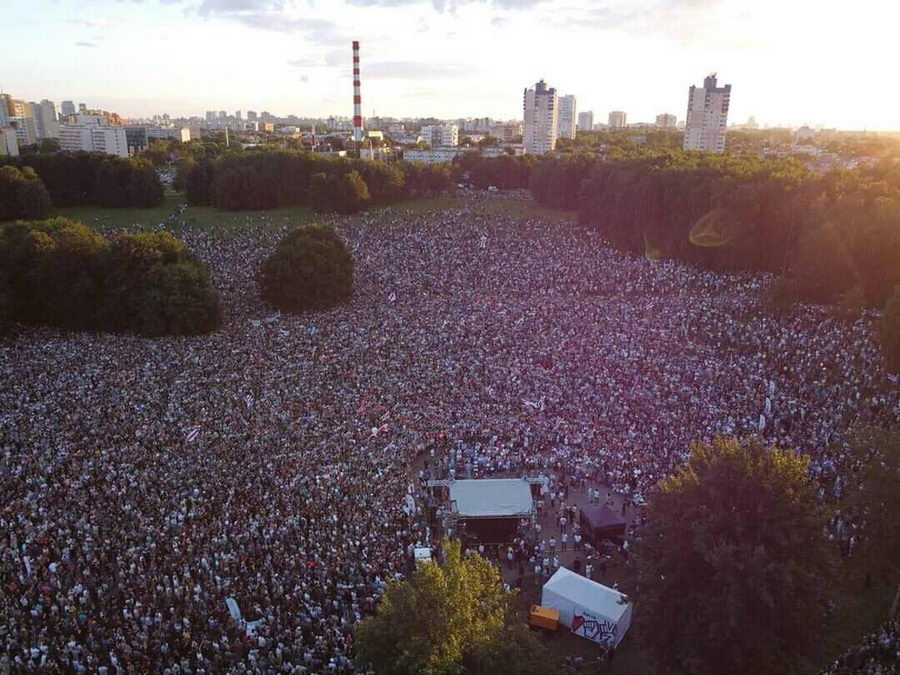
column 357, row 98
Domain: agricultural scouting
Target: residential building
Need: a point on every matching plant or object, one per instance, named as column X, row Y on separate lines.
column 251, row 116
column 26, row 131
column 45, row 119
column 93, row 133
column 5, row 100
column 541, row 113
column 434, row 156
column 82, row 108
column 618, row 119
column 138, row 136
column 67, row 108
column 707, row 116
column 666, row 121
column 508, row 133
column 568, row 117
column 8, row 143
column 586, row 120
column 441, row 135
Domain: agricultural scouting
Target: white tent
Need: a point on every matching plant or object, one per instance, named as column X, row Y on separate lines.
column 589, row 609
column 491, row 498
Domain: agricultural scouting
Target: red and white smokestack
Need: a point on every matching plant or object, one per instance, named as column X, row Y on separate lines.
column 357, row 98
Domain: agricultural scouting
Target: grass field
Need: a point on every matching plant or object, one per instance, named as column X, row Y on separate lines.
column 193, row 216
column 209, row 217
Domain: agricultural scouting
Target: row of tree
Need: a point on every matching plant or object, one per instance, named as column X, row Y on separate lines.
column 89, row 178
column 834, row 234
column 60, row 273
column 266, row 179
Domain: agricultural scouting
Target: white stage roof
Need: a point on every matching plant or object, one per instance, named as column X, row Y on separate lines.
column 491, row 498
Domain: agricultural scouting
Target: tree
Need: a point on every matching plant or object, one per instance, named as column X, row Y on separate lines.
column 733, row 563
column 354, row 193
column 310, row 269
column 889, row 327
column 60, row 273
column 450, row 618
column 22, row 194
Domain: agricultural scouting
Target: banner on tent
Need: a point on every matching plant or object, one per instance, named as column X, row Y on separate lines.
column 597, row 630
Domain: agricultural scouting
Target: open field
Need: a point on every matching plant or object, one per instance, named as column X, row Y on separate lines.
column 209, row 217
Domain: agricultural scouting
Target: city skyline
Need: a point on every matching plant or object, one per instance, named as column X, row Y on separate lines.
column 452, row 58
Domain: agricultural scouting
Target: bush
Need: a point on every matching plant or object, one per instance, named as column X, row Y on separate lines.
column 62, row 274
column 22, row 194
column 311, row 269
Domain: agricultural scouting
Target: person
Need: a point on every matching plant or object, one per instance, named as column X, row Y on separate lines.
column 564, row 541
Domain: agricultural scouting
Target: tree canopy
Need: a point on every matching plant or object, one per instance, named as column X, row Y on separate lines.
column 733, row 563
column 450, row 618
column 22, row 194
column 82, row 178
column 60, row 273
column 310, row 269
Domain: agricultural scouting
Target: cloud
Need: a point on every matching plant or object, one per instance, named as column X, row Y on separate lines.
column 268, row 15
column 85, row 44
column 448, row 5
column 412, row 70
column 499, row 21
column 210, row 7
column 304, row 78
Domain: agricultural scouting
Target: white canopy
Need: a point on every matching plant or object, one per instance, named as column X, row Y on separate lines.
column 491, row 498
column 591, row 610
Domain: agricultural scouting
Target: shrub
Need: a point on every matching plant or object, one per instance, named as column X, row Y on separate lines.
column 310, row 269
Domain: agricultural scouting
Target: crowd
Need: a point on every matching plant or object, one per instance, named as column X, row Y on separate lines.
column 237, row 501
column 877, row 654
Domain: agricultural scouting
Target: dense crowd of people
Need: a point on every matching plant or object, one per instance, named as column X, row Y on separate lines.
column 239, row 500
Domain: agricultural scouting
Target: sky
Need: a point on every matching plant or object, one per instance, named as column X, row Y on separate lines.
column 790, row 62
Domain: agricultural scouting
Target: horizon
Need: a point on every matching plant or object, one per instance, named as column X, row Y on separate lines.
column 294, row 57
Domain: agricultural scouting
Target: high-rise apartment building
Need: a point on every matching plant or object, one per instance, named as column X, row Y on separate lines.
column 541, row 118
column 251, row 116
column 618, row 119
column 5, row 100
column 586, row 121
column 707, row 116
column 67, row 108
column 666, row 121
column 9, row 144
column 438, row 135
column 46, row 120
column 567, row 117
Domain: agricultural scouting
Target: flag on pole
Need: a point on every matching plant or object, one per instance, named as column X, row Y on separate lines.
column 192, row 434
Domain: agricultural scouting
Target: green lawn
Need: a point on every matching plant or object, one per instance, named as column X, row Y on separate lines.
column 209, row 217
column 195, row 216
